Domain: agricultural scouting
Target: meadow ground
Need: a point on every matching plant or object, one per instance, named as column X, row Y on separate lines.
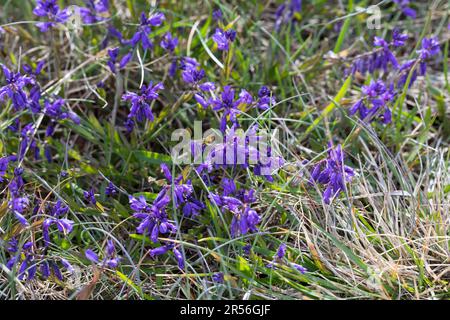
column 346, row 197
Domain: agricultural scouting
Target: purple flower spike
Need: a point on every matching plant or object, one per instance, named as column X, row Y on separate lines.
column 332, row 173
column 140, row 103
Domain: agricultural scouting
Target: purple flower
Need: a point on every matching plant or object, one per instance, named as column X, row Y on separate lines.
column 287, row 12
column 4, row 162
column 224, row 38
column 142, row 35
column 377, row 95
column 110, row 258
column 179, row 258
column 13, row 89
column 237, row 201
column 191, row 73
column 50, row 9
column 332, row 173
column 380, row 58
column 140, row 107
column 430, row 47
column 228, row 105
column 299, row 268
column 18, row 205
column 398, row 38
column 404, row 6
column 54, row 110
column 217, row 15
column 90, row 196
column 91, row 14
column 65, row 226
column 153, row 218
column 281, row 252
column 266, row 99
column 91, row 255
column 168, row 42
column 218, row 277
column 111, row 189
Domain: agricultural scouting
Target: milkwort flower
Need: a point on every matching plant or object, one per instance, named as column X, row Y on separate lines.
column 154, row 219
column 14, row 88
column 89, row 196
column 381, row 57
column 237, row 202
column 55, row 212
column 224, row 38
column 50, row 10
column 158, row 251
column 169, row 42
column 279, row 259
column 18, row 205
column 183, row 194
column 35, row 91
column 4, row 162
column 140, row 107
column 228, row 105
column 429, row 48
column 110, row 257
column 376, row 97
column 54, row 110
column 332, row 173
column 287, row 12
column 113, row 59
column 111, row 189
column 29, row 261
column 266, row 98
column 191, row 71
column 142, row 35
column 406, row 9
column 94, row 10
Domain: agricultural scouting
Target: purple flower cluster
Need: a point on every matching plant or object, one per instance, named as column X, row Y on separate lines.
column 142, row 35
column 50, row 10
column 140, row 103
column 29, row 259
column 65, row 226
column 332, row 173
column 374, row 101
column 380, row 58
column 237, row 201
column 154, row 218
